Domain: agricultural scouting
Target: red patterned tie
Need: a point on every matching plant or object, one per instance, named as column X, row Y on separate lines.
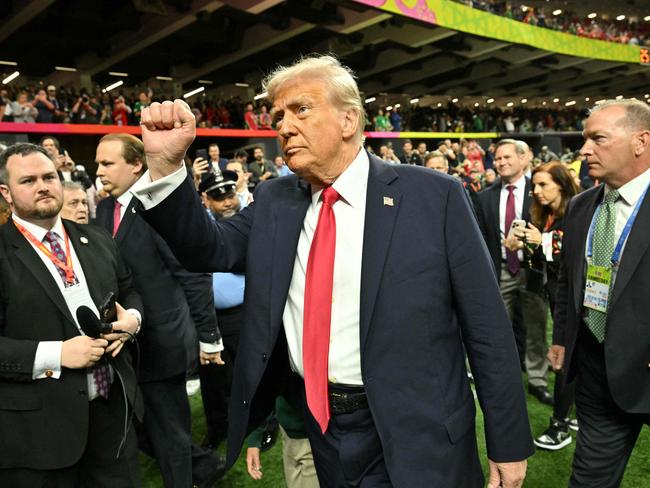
column 512, row 260
column 318, row 310
column 117, row 217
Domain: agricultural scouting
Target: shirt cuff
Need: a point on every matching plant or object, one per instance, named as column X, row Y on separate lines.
column 208, row 348
column 136, row 314
column 151, row 193
column 47, row 362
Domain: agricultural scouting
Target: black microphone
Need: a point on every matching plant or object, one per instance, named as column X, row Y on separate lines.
column 90, row 323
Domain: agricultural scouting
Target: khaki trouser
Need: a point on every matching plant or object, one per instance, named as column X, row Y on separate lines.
column 299, row 469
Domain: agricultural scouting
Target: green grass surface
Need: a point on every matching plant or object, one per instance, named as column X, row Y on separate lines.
column 546, row 469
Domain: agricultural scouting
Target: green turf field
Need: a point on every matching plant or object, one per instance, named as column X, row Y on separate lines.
column 545, row 469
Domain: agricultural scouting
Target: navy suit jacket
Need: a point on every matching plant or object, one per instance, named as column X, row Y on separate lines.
column 426, row 282
column 627, row 341
column 487, row 212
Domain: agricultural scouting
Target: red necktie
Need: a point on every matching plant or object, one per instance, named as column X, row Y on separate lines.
column 318, row 310
column 512, row 260
column 117, row 217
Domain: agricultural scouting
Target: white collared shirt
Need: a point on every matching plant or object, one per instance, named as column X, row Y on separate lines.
column 349, row 211
column 519, row 192
column 630, row 193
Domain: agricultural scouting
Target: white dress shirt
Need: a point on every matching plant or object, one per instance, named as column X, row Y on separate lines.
column 349, row 212
column 519, row 192
column 630, row 193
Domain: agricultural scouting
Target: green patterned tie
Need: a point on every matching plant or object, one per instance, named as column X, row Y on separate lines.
column 602, row 250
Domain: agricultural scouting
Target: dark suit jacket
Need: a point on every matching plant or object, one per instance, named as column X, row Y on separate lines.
column 177, row 303
column 44, row 423
column 627, row 342
column 424, row 265
column 487, row 212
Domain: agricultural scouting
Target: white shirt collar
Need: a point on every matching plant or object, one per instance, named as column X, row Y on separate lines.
column 348, row 183
column 39, row 232
column 519, row 184
column 125, row 198
column 633, row 189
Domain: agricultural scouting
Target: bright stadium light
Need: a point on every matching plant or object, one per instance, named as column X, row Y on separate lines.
column 555, row 100
column 592, row 15
column 490, row 100
column 414, row 100
column 112, row 86
column 476, row 104
column 568, row 104
column 647, row 95
column 398, row 105
column 619, row 97
column 586, row 99
column 557, row 11
column 370, row 100
column 390, row 107
column 65, row 68
column 260, row 96
column 9, row 63
column 510, row 104
column 524, row 100
column 242, row 85
column 118, row 73
column 620, row 17
column 194, row 92
column 10, row 78
column 647, row 18
column 454, row 100
column 439, row 104
column 164, row 78
column 544, row 102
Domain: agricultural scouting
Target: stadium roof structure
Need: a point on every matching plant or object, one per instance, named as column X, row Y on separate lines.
column 399, row 54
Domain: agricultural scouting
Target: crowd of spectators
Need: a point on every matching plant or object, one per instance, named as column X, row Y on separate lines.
column 49, row 104
column 625, row 31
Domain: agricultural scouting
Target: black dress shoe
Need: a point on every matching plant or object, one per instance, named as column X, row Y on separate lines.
column 215, row 475
column 211, row 442
column 541, row 393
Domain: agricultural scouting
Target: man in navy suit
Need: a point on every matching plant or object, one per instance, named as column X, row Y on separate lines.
column 363, row 282
column 603, row 343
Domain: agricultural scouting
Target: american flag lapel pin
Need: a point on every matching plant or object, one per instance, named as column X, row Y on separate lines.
column 388, row 201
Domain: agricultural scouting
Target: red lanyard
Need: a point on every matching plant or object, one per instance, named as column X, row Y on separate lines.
column 549, row 222
column 67, row 267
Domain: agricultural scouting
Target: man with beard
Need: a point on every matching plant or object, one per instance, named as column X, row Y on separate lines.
column 64, row 411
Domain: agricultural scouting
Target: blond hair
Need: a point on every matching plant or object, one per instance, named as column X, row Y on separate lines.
column 342, row 88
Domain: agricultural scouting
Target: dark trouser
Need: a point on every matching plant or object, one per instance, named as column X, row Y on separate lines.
column 216, row 380
column 534, row 308
column 167, row 424
column 607, row 434
column 349, row 454
column 563, row 397
column 98, row 466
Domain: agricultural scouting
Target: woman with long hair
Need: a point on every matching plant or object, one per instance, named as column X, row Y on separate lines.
column 553, row 187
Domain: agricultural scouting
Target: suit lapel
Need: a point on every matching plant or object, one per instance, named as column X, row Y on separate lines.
column 382, row 206
column 83, row 248
column 635, row 248
column 127, row 220
column 289, row 214
column 29, row 257
column 528, row 199
column 583, row 220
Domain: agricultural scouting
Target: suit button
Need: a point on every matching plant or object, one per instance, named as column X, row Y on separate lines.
column 264, row 357
column 648, row 365
column 49, row 373
column 245, row 404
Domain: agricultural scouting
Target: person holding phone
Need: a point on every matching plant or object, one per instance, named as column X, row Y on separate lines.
column 497, row 207
column 553, row 187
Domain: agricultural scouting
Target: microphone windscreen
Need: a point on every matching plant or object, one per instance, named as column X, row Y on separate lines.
column 89, row 322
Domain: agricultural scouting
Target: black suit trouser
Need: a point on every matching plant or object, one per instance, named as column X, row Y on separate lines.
column 607, row 434
column 98, row 466
column 167, row 424
column 216, row 380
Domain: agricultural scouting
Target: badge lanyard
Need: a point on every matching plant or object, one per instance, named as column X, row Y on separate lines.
column 616, row 256
column 66, row 267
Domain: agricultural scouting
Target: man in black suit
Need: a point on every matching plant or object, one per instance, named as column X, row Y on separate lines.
column 496, row 208
column 177, row 303
column 63, row 416
column 375, row 338
column 602, row 314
